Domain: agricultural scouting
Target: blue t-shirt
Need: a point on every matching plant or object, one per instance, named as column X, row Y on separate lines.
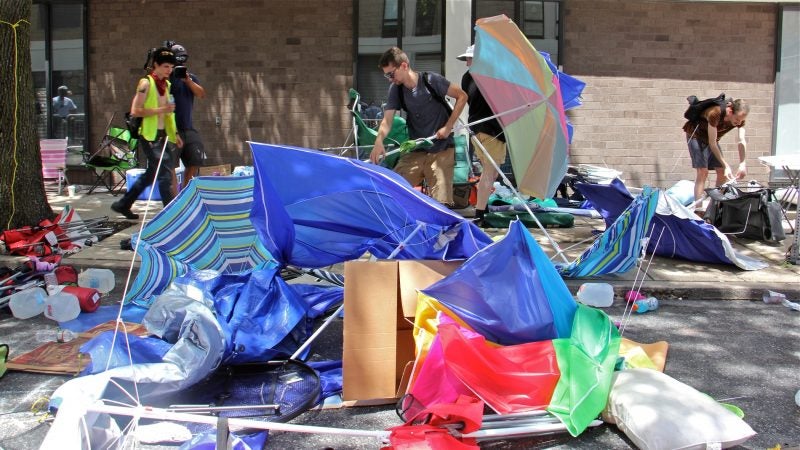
column 425, row 114
column 184, row 100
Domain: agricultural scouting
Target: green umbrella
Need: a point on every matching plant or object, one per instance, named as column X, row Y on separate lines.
column 586, row 361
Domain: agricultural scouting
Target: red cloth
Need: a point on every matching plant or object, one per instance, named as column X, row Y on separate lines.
column 427, row 431
column 161, row 85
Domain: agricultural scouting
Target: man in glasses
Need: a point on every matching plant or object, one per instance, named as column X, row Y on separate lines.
column 429, row 115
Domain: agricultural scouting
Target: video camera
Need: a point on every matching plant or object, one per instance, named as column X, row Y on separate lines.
column 180, row 58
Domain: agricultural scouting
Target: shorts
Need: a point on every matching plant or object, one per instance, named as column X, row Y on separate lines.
column 701, row 155
column 436, row 169
column 495, row 147
column 193, row 153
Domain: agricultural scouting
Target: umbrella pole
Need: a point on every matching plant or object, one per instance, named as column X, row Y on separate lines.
column 508, row 183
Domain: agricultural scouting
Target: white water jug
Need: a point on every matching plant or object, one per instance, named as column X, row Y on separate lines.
column 27, row 303
column 62, row 307
column 100, row 279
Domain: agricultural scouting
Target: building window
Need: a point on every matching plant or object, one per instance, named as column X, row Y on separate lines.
column 377, row 24
column 58, row 60
column 389, row 19
column 538, row 20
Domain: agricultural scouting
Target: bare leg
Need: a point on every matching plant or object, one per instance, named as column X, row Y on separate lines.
column 189, row 173
column 700, row 184
column 485, row 185
column 720, row 176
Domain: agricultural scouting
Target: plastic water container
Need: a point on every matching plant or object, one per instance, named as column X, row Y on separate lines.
column 100, row 279
column 27, row 303
column 648, row 304
column 62, row 307
column 596, row 294
column 131, row 175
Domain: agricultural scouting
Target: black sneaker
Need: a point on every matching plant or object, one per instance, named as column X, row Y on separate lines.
column 116, row 207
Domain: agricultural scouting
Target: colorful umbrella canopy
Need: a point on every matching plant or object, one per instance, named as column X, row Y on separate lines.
column 207, row 226
column 517, row 83
column 313, row 209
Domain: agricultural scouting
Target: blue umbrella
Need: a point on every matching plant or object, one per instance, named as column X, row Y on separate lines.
column 509, row 292
column 313, row 209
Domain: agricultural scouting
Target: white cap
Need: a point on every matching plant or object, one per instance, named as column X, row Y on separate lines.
column 467, row 53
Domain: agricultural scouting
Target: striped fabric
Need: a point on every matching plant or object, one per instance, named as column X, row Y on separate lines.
column 54, row 160
column 620, row 245
column 207, row 226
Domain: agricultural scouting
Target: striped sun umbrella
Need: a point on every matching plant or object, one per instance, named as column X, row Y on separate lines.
column 519, row 85
column 207, row 226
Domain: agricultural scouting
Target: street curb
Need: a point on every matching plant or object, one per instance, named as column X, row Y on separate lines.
column 673, row 290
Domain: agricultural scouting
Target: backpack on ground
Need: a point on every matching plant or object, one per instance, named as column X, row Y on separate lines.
column 696, row 106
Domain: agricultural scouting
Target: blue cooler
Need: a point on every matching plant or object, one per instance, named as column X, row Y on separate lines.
column 133, row 174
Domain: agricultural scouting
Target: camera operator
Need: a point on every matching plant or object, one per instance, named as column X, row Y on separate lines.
column 185, row 87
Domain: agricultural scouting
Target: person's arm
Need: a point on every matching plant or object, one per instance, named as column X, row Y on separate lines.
column 137, row 106
column 713, row 145
column 194, row 86
column 457, row 93
column 72, row 107
column 384, row 129
column 741, row 141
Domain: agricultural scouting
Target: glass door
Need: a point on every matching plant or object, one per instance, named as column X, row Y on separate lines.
column 58, row 59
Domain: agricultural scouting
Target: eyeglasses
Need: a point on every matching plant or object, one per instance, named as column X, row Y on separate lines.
column 390, row 75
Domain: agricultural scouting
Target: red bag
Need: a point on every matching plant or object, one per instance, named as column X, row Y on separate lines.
column 88, row 298
column 66, row 275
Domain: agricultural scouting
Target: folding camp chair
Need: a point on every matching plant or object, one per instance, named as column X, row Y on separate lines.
column 113, row 157
column 54, row 161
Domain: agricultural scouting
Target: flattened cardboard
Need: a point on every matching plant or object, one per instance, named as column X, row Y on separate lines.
column 380, row 299
column 220, row 169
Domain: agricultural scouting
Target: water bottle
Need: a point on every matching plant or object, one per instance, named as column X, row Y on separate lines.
column 27, row 303
column 100, row 279
column 596, row 294
column 55, row 335
column 61, row 307
column 648, row 304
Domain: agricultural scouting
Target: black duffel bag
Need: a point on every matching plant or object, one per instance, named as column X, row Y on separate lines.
column 751, row 215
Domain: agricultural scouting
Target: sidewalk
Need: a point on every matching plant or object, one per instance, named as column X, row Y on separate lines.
column 665, row 279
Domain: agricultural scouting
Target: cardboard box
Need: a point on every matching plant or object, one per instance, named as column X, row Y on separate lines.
column 380, row 299
column 219, row 169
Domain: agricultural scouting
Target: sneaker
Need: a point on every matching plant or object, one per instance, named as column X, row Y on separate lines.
column 118, row 208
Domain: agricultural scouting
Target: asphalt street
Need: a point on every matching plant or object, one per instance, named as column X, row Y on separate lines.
column 745, row 352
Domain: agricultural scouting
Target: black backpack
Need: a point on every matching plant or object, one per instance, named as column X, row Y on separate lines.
column 696, row 106
column 424, row 76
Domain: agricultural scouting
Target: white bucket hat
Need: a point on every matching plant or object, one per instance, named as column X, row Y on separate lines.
column 467, row 53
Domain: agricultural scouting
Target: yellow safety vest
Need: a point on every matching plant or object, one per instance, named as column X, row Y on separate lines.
column 149, row 127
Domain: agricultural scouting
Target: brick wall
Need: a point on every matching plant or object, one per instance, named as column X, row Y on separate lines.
column 641, row 60
column 274, row 71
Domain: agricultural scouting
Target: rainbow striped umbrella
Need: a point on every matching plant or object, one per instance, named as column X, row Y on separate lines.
column 519, row 85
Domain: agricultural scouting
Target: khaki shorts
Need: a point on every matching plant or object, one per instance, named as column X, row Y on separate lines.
column 495, row 147
column 436, row 169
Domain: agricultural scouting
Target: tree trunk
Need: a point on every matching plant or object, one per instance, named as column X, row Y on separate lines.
column 22, row 197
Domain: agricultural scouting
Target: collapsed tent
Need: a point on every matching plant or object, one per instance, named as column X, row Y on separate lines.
column 676, row 233
column 313, row 209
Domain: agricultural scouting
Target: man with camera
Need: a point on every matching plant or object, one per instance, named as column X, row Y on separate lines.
column 185, row 87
